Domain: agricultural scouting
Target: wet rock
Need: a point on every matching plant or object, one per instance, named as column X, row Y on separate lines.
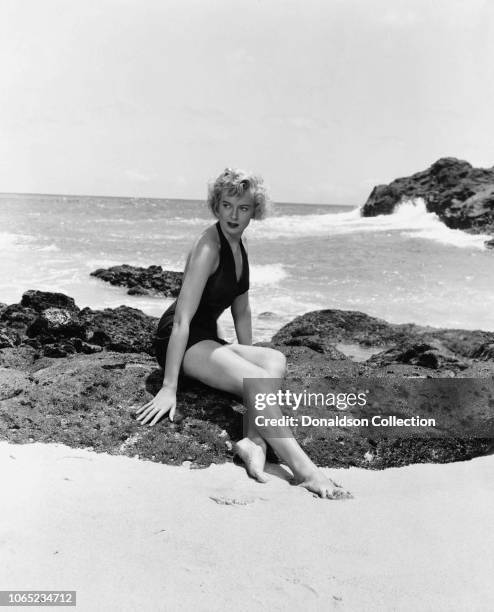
column 267, row 315
column 57, row 323
column 41, row 300
column 142, row 281
column 461, row 196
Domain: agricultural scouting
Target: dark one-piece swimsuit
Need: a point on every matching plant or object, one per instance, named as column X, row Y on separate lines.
column 220, row 291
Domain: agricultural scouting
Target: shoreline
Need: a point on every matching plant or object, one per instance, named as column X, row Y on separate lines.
column 128, row 534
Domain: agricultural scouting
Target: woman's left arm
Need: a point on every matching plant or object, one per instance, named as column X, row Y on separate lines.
column 242, row 318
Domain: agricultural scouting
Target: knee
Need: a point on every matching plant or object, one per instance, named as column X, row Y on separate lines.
column 276, row 365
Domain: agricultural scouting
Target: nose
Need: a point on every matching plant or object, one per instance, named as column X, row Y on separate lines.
column 234, row 214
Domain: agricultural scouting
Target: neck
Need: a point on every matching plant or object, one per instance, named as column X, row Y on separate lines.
column 234, row 241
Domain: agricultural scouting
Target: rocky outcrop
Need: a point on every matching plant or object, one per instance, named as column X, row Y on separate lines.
column 54, row 326
column 76, row 376
column 461, row 196
column 422, row 349
column 142, row 281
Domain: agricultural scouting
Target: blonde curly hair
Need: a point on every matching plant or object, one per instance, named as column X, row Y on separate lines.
column 236, row 182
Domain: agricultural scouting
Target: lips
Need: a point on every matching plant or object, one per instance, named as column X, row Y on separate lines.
column 232, row 225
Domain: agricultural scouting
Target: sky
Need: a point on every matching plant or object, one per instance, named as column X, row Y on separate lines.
column 323, row 98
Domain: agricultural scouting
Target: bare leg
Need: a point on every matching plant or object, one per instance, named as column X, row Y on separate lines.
column 225, row 367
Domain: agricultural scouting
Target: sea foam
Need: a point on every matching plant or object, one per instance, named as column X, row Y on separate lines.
column 428, row 226
column 410, row 217
column 14, row 241
column 267, row 274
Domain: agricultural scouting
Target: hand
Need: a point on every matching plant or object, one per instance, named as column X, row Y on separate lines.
column 165, row 400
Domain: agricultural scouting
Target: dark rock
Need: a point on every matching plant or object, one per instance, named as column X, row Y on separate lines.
column 138, row 290
column 17, row 317
column 58, row 332
column 122, row 329
column 316, row 343
column 58, row 350
column 452, row 346
column 461, row 196
column 343, row 326
column 57, row 323
column 484, row 352
column 41, row 300
column 99, row 337
column 421, row 354
column 267, row 315
column 9, row 338
column 55, row 390
column 85, row 347
column 461, row 342
column 489, row 244
column 90, row 400
column 142, row 281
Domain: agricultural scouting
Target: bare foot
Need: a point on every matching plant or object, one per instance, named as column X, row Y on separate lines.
column 323, row 486
column 253, row 454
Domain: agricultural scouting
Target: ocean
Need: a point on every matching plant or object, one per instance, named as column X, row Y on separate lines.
column 405, row 267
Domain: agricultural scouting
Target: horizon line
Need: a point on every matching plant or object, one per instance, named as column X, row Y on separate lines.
column 116, row 197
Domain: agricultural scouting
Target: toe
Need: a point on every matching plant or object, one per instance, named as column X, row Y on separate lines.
column 340, row 493
column 261, row 477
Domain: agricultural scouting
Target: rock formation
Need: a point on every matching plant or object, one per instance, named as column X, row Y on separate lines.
column 142, row 281
column 76, row 376
column 460, row 195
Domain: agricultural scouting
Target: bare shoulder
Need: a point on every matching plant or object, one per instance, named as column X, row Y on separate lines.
column 206, row 248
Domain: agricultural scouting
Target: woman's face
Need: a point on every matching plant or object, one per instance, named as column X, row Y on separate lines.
column 235, row 212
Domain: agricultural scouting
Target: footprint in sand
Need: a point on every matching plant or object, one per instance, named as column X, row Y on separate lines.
column 235, row 500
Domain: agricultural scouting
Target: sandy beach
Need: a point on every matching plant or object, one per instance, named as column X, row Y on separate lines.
column 128, row 534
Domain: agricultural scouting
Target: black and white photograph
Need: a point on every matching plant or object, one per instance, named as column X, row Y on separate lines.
column 247, row 305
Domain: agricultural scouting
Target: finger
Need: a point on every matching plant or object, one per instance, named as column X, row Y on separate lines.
column 148, row 417
column 172, row 413
column 145, row 416
column 158, row 417
column 144, row 407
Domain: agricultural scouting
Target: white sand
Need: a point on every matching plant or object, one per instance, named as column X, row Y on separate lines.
column 133, row 535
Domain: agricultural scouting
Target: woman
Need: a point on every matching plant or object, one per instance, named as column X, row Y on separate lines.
column 217, row 277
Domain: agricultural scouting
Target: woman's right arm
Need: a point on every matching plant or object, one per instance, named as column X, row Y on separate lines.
column 202, row 261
